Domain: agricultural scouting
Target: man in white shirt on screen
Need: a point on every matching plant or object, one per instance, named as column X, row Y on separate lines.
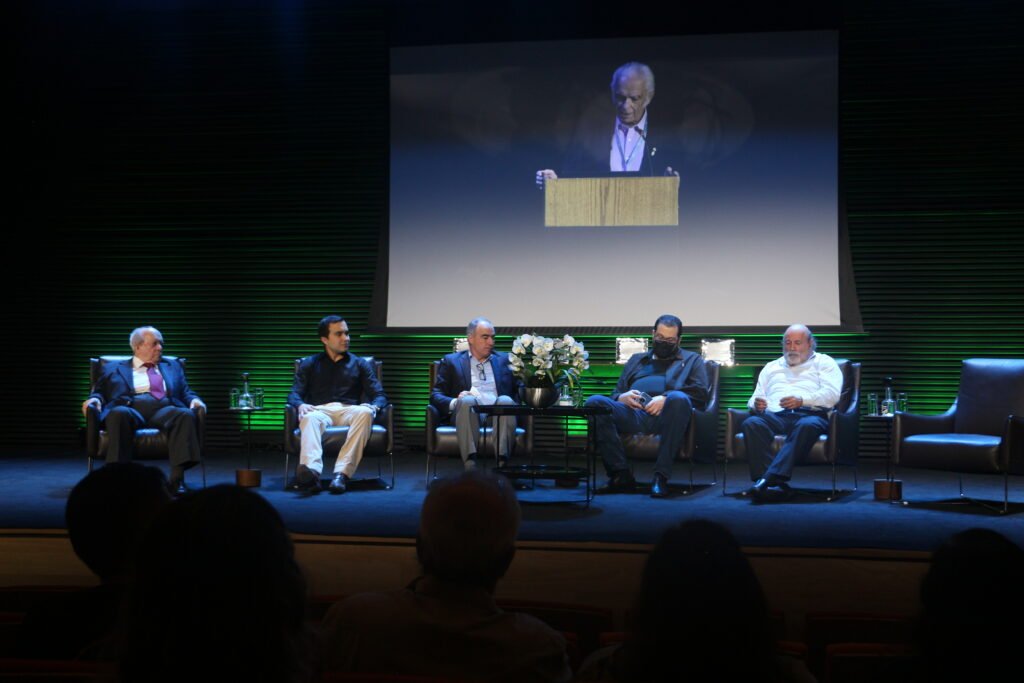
column 632, row 148
column 793, row 397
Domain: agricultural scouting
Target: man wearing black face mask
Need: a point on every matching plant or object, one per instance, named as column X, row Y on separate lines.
column 675, row 382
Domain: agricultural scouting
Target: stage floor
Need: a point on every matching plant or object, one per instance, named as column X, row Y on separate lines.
column 34, row 488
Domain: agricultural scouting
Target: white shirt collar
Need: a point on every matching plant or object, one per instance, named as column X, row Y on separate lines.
column 642, row 126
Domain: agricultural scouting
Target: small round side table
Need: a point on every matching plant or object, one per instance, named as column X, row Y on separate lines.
column 248, row 477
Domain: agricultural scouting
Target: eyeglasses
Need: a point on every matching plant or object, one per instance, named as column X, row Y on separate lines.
column 670, row 340
column 480, row 367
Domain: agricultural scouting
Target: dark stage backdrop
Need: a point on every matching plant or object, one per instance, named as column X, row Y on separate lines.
column 222, row 174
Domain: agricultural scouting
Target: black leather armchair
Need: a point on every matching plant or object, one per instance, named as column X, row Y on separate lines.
column 441, row 440
column 381, row 443
column 837, row 446
column 982, row 432
column 701, row 441
column 150, row 442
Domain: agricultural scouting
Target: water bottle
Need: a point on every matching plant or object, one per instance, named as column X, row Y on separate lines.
column 245, row 398
column 888, row 403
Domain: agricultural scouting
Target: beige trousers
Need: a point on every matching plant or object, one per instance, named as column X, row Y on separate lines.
column 358, row 419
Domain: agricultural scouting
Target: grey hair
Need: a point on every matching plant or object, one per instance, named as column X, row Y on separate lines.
column 637, row 67
column 474, row 323
column 806, row 330
column 138, row 335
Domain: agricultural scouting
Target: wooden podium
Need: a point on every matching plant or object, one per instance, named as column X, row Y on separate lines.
column 591, row 202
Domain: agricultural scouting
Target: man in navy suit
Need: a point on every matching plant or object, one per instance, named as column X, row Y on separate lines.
column 479, row 376
column 148, row 391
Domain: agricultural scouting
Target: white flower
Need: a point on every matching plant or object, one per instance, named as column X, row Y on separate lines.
column 549, row 344
column 526, row 339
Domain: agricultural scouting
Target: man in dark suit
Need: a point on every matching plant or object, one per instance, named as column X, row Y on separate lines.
column 479, row 376
column 656, row 394
column 632, row 149
column 148, row 391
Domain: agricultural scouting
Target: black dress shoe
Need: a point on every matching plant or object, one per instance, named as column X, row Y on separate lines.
column 659, row 486
column 339, row 484
column 306, row 480
column 759, row 487
column 777, row 492
column 620, row 482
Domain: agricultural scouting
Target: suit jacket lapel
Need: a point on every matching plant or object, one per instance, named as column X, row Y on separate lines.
column 165, row 372
column 127, row 373
column 500, row 368
column 467, row 380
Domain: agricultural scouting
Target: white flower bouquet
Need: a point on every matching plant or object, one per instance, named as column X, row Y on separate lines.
column 546, row 362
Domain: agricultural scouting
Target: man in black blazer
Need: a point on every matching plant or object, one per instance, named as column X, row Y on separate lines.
column 479, row 376
column 148, row 391
column 655, row 394
column 328, row 390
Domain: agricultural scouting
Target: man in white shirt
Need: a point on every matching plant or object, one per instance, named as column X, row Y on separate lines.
column 632, row 150
column 793, row 397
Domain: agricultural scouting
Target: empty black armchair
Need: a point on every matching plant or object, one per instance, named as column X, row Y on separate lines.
column 982, row 432
column 381, row 443
column 837, row 446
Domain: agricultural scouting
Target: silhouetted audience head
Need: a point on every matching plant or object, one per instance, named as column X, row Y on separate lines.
column 700, row 613
column 109, row 512
column 972, row 598
column 468, row 529
column 218, row 595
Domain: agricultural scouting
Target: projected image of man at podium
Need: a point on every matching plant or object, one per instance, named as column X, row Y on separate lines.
column 633, row 149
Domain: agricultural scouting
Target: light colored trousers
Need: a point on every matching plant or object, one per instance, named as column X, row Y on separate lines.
column 468, row 423
column 358, row 419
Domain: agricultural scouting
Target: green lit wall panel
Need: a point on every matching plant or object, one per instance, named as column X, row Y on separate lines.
column 205, row 171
